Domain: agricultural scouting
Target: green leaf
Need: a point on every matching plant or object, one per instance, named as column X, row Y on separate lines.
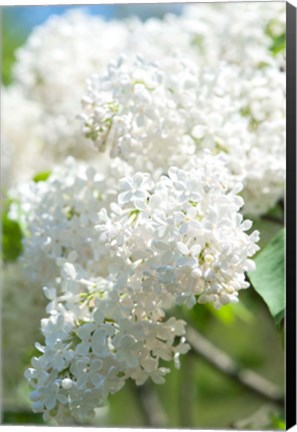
column 278, row 422
column 279, row 318
column 11, row 239
column 42, row 176
column 12, row 234
column 14, row 417
column 278, row 44
column 268, row 278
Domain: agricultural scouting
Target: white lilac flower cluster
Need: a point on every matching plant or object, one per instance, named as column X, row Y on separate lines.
column 53, row 228
column 168, row 112
column 44, row 70
column 248, row 41
column 45, row 73
column 143, row 114
column 112, row 275
column 177, row 127
column 20, row 136
column 211, row 38
column 59, row 214
column 265, row 166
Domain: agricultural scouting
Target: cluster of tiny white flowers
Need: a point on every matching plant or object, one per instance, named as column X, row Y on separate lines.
column 20, row 137
column 137, row 107
column 263, row 103
column 246, row 41
column 167, row 113
column 44, row 70
column 60, row 214
column 176, row 240
column 208, row 36
column 176, row 231
column 95, row 339
column 178, row 128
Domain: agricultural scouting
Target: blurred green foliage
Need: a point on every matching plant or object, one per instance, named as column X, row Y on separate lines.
column 278, row 44
column 13, row 36
column 11, row 236
column 42, row 176
column 22, row 417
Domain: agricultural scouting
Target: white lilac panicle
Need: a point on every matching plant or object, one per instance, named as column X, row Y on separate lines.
column 180, row 239
column 48, row 70
column 263, row 103
column 95, row 339
column 218, row 34
column 130, row 112
column 206, row 34
column 156, row 115
column 58, row 215
column 160, row 39
column 55, row 86
column 44, row 65
column 20, row 137
column 182, row 234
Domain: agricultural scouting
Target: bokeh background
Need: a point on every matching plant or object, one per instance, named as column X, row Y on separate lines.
column 18, row 21
column 197, row 395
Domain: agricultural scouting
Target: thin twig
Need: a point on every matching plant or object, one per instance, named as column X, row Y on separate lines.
column 225, row 364
column 282, row 204
column 273, row 219
column 150, row 406
column 186, row 392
